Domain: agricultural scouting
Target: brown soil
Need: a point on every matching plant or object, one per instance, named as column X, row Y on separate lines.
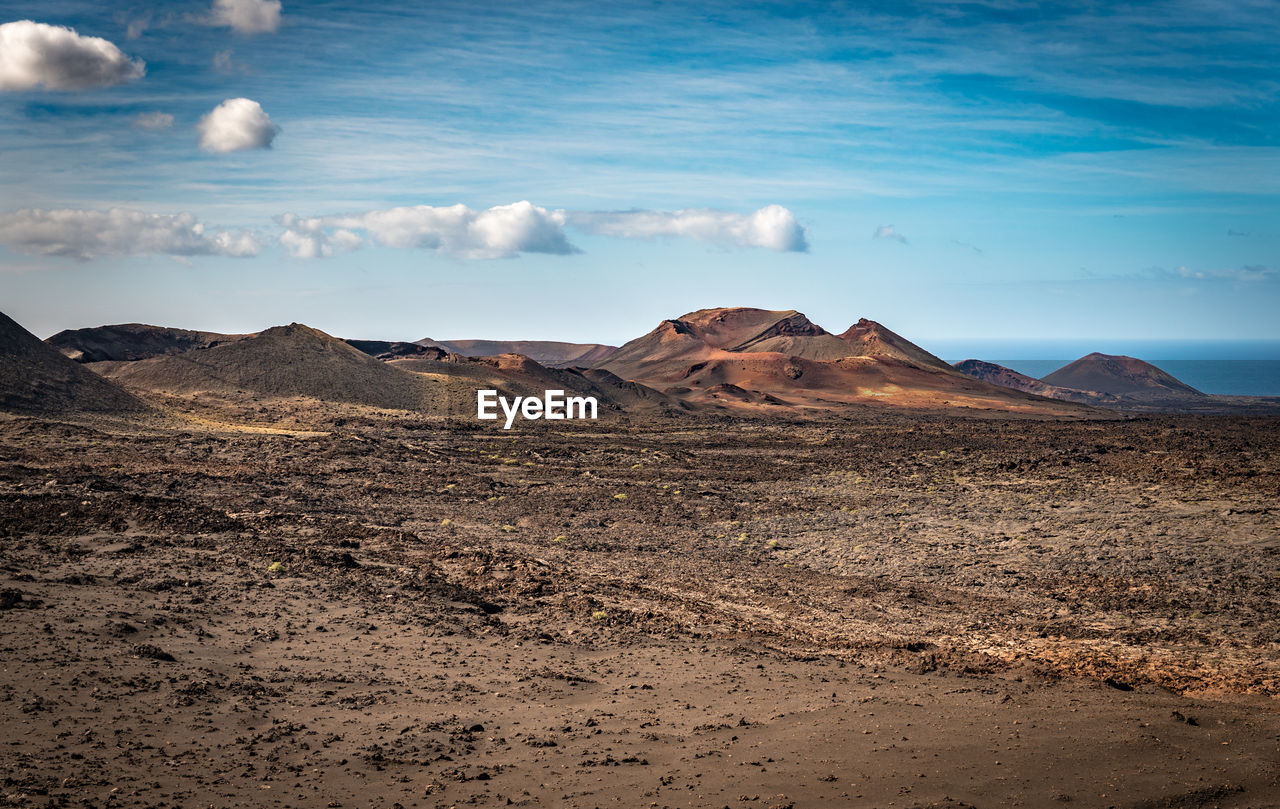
column 888, row 610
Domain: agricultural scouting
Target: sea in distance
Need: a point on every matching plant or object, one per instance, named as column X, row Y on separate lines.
column 1231, row 367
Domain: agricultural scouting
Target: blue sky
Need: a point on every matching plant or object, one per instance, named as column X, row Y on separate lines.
column 1032, row 171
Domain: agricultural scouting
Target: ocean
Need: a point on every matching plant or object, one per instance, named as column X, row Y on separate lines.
column 1237, row 368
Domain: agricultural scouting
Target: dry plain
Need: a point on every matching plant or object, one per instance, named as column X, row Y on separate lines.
column 906, row 610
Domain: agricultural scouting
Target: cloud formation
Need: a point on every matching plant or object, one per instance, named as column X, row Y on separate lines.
column 247, row 16
column 35, row 55
column 153, row 121
column 773, row 226
column 1249, row 273
column 235, row 125
column 508, row 230
column 502, row 231
column 887, row 232
column 87, row 234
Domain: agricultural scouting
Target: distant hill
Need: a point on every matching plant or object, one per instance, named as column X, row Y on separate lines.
column 545, row 352
column 284, row 361
column 133, row 341
column 36, row 378
column 518, row 375
column 1009, row 378
column 385, row 349
column 744, row 358
column 1119, row 375
column 1121, row 383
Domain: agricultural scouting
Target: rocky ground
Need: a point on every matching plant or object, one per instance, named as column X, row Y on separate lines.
column 882, row 611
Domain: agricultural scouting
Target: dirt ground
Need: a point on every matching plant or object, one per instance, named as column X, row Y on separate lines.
column 885, row 611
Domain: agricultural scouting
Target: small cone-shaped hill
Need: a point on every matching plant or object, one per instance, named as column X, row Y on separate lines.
column 284, row 361
column 1109, row 373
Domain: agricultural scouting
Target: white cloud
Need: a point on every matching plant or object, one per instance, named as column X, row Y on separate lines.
column 773, row 226
column 236, row 124
column 86, row 234
column 887, row 232
column 153, row 121
column 247, row 16
column 34, row 55
column 1248, row 273
column 499, row 232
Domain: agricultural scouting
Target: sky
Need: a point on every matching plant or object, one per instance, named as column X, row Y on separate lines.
column 582, row 170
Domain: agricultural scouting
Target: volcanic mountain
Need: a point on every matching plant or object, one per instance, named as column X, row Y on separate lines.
column 549, row 353
column 36, row 378
column 750, row 358
column 281, row 362
column 1009, row 378
column 133, row 341
column 1121, row 375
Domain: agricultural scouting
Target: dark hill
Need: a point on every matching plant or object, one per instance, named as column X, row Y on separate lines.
column 549, row 353
column 284, row 361
column 36, row 378
column 1009, row 378
column 389, row 349
column 1118, row 374
column 133, row 341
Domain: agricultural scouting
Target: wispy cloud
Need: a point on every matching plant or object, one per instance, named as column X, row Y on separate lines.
column 888, row 232
column 773, row 226
column 1251, row 273
column 247, row 16
column 153, row 121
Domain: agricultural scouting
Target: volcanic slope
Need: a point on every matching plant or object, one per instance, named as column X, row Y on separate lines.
column 126, row 342
column 1118, row 374
column 1009, row 378
column 36, row 378
column 743, row 358
column 518, row 375
column 283, row 362
column 549, row 353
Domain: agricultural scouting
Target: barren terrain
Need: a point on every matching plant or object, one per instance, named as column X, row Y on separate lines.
column 889, row 610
